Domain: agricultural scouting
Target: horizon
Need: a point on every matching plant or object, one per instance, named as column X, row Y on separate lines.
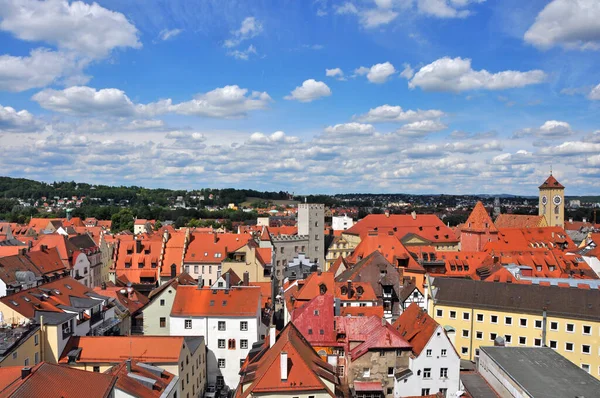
column 322, row 96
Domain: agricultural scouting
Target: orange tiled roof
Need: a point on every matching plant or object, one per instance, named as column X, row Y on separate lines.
column 312, row 288
column 136, row 264
column 133, row 302
column 135, row 387
column 174, row 251
column 551, row 182
column 389, row 245
column 213, row 248
column 479, row 220
column 154, row 349
column 237, row 301
column 519, row 221
column 528, row 238
column 416, row 326
column 376, row 310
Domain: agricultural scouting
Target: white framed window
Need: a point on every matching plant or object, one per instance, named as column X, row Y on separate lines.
column 439, row 313
column 493, row 336
column 464, row 350
column 424, row 391
column 221, row 363
column 538, row 324
column 444, row 351
column 466, row 316
column 569, row 347
column 523, row 322
column 537, row 342
column 479, row 317
column 36, row 339
column 586, row 349
column 507, row 338
column 221, row 326
column 221, row 343
column 465, row 333
column 36, row 358
column 243, row 344
column 508, row 320
column 586, row 329
column 452, row 314
column 554, row 326
column 443, row 373
column 188, row 323
column 553, row 344
column 428, row 353
column 390, row 372
column 366, row 372
column 479, row 335
column 586, row 367
column 570, row 328
column 493, row 318
column 427, row 373
column 522, row 340
column 244, row 326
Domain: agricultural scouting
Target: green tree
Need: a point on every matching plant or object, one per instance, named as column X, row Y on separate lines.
column 122, row 221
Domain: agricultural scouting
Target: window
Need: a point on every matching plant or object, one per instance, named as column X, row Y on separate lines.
column 26, row 362
column 464, row 350
column 398, row 353
column 36, row 358
column 479, row 335
column 443, row 391
column 523, row 322
column 427, row 373
column 390, row 371
column 452, row 314
column 554, row 326
column 163, row 322
column 428, row 352
column 97, row 369
column 494, row 318
column 340, row 371
column 444, row 373
column 439, row 313
column 537, row 342
column 390, row 391
column 220, row 381
column 522, row 340
column 553, row 344
column 465, row 333
column 366, row 372
column 231, row 344
column 424, row 392
column 381, row 353
column 243, row 344
column 569, row 347
column 585, row 367
column 508, row 320
column 196, row 269
column 493, row 336
column 188, row 323
column 585, row 349
column 444, row 352
column 466, row 316
column 242, row 362
column 570, row 327
column 476, row 352
column 587, row 329
column 221, row 326
column 507, row 338
column 479, row 317
column 244, row 325
column 221, row 363
column 538, row 324
column 162, row 302
column 36, row 339
column 221, row 343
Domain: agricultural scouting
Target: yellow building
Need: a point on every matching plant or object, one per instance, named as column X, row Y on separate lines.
column 475, row 313
column 252, row 259
column 20, row 346
column 552, row 202
column 340, row 246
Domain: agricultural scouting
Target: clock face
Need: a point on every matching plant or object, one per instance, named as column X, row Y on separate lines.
column 544, row 199
column 557, row 200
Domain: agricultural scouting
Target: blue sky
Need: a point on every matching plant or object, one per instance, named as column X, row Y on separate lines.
column 420, row 96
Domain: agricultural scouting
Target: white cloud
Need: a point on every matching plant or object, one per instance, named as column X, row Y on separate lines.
column 421, row 128
column 550, row 129
column 41, row 68
column 571, row 148
column 351, row 129
column 87, row 29
column 363, row 70
column 242, row 54
column 572, row 24
column 389, row 113
column 309, row 91
column 276, row 137
column 407, row 72
column 167, row 34
column 443, row 8
column 335, row 72
column 378, row 73
column 13, row 120
column 250, row 28
column 595, row 93
column 376, row 17
column 456, row 75
column 520, row 157
column 224, row 102
column 346, row 8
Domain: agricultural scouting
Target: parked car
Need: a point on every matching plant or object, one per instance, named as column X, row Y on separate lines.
column 211, row 391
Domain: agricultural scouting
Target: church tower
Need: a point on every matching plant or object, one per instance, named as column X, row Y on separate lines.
column 552, row 202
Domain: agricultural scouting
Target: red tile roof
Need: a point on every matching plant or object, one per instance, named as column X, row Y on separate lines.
column 133, row 302
column 237, row 301
column 213, row 248
column 519, row 221
column 131, row 263
column 376, row 310
column 49, row 380
column 479, row 220
column 388, row 245
column 135, row 387
column 174, row 252
column 528, row 238
column 314, row 320
column 312, row 288
column 551, row 182
column 416, row 326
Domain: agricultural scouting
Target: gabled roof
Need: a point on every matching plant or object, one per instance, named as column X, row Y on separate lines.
column 416, row 326
column 134, row 302
column 313, row 285
column 306, row 370
column 213, row 248
column 388, row 244
column 236, row 301
column 49, row 380
column 519, row 221
column 135, row 381
column 551, row 183
column 479, row 220
column 182, row 279
column 315, row 320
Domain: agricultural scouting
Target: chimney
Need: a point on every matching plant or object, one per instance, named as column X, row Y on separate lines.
column 349, row 288
column 283, row 359
column 336, row 306
column 387, row 213
column 103, row 285
column 571, row 220
column 246, row 278
column 44, row 248
column 138, row 246
column 26, row 371
column 227, row 280
column 272, row 336
column 584, row 220
column 413, row 215
column 128, row 362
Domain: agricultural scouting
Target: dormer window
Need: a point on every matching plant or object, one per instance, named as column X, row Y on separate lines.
column 322, row 288
column 344, row 290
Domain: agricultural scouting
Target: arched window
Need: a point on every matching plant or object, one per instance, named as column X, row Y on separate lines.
column 556, row 209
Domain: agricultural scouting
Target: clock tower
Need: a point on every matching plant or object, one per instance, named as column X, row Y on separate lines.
column 552, row 202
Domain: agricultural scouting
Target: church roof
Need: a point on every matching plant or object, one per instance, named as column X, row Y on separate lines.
column 479, row 220
column 551, row 182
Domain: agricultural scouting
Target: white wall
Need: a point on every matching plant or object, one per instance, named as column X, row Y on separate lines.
column 154, row 311
column 208, row 327
column 415, row 383
column 82, row 263
column 341, row 223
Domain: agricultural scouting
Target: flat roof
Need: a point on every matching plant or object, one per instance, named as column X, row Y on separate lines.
column 542, row 372
column 476, row 385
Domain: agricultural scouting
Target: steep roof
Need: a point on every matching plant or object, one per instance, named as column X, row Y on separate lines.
column 551, row 183
column 315, row 320
column 416, row 326
column 237, row 301
column 389, row 245
column 154, row 349
column 306, row 370
column 312, row 288
column 516, row 239
column 133, row 302
column 174, row 252
column 519, row 221
column 49, row 380
column 479, row 220
column 135, row 381
column 182, row 279
column 213, row 248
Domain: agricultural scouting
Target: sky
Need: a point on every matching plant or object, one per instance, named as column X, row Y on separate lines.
column 305, row 96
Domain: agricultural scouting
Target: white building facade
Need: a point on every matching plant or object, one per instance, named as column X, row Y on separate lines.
column 341, row 223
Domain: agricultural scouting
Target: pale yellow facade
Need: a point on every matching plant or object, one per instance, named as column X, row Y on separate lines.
column 552, row 206
column 244, row 260
column 339, row 247
column 26, row 353
column 576, row 340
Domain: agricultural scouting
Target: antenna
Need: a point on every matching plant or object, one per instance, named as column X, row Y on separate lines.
column 550, row 168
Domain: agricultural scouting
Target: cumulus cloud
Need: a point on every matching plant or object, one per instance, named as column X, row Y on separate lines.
column 572, row 24
column 407, row 72
column 421, row 128
column 520, row 157
column 224, row 102
column 445, row 8
column 13, row 120
column 309, row 91
column 378, row 73
column 571, row 148
column 389, row 113
column 550, row 129
column 250, row 28
column 276, row 137
column 351, row 129
column 595, row 93
column 456, row 75
column 167, row 34
column 242, row 54
column 336, row 73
